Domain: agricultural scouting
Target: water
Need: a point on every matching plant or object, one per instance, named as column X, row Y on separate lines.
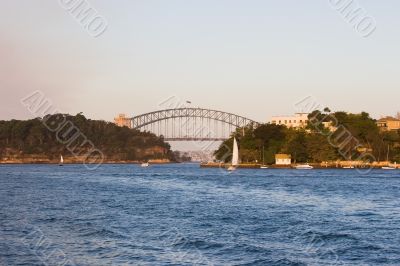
column 184, row 215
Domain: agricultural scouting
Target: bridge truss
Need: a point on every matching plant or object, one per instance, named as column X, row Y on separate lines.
column 190, row 124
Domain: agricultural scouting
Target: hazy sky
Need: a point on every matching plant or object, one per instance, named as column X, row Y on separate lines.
column 255, row 58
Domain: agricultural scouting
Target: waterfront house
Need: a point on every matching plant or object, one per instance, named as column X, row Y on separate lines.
column 283, row 159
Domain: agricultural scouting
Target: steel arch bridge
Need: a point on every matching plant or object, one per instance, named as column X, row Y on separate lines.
column 190, row 124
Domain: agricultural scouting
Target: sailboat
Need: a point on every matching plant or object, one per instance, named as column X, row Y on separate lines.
column 61, row 161
column 387, row 159
column 263, row 166
column 235, row 156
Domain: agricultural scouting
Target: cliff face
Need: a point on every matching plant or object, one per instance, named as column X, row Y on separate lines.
column 32, row 141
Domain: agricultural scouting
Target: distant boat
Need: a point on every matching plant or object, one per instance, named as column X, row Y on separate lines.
column 144, row 165
column 351, row 164
column 304, row 167
column 61, row 161
column 263, row 166
column 388, row 168
column 235, row 156
column 387, row 158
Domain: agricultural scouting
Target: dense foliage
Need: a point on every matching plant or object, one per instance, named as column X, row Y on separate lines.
column 117, row 143
column 327, row 137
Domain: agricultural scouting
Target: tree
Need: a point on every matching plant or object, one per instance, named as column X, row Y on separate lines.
column 268, row 132
column 355, row 134
column 297, row 146
column 319, row 149
column 119, row 143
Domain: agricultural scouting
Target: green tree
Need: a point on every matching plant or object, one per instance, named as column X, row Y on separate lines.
column 297, row 146
column 319, row 149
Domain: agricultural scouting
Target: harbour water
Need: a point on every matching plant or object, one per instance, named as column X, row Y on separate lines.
column 183, row 215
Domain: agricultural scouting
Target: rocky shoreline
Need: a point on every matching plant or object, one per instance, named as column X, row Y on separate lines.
column 77, row 161
column 340, row 165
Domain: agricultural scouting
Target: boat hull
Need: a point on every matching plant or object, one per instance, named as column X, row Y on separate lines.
column 304, row 167
column 231, row 168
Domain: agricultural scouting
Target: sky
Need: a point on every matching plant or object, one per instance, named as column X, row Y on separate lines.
column 255, row 58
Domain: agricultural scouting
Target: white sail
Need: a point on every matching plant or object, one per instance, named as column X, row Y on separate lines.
column 61, row 160
column 235, row 156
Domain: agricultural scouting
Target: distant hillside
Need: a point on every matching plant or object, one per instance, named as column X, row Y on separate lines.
column 45, row 139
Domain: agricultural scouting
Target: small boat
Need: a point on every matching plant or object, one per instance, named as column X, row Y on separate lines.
column 61, row 161
column 304, row 167
column 387, row 158
column 264, row 166
column 144, row 165
column 351, row 164
column 388, row 168
column 231, row 168
column 235, row 156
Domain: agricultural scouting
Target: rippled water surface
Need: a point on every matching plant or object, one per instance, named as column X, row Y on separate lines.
column 184, row 215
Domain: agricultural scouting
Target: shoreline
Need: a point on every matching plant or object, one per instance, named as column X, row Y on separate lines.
column 316, row 166
column 66, row 162
column 293, row 166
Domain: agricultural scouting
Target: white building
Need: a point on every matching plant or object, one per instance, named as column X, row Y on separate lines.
column 283, row 159
column 122, row 121
column 299, row 120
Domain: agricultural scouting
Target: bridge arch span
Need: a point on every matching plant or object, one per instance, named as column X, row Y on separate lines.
column 153, row 117
column 198, row 116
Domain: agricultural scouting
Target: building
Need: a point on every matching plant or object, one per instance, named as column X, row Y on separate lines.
column 299, row 120
column 388, row 123
column 122, row 121
column 283, row 159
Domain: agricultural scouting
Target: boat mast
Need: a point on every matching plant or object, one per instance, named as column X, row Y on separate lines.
column 263, row 152
column 387, row 157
